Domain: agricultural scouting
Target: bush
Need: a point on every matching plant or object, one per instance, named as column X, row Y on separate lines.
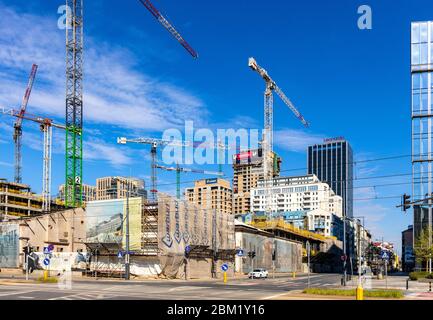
column 397, row 294
column 415, row 275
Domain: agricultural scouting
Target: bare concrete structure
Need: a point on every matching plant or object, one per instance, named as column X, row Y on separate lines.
column 17, row 200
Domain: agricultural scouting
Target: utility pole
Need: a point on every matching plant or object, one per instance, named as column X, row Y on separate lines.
column 308, row 261
column 127, row 276
column 344, row 252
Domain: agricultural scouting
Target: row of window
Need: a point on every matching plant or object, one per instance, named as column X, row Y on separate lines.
column 419, row 32
column 288, row 190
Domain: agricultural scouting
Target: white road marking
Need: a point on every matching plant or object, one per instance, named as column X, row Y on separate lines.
column 274, row 296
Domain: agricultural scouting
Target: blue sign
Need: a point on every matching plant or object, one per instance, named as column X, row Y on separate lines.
column 46, row 261
column 46, row 251
column 119, row 255
column 385, row 255
column 240, row 253
column 187, row 249
column 50, row 247
column 224, row 267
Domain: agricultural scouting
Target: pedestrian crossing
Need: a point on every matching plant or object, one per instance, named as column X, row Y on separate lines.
column 85, row 296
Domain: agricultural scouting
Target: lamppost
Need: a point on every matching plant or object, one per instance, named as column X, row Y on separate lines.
column 127, row 267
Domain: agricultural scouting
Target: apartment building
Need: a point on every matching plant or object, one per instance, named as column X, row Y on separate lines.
column 212, row 193
column 299, row 193
column 117, row 188
column 89, row 193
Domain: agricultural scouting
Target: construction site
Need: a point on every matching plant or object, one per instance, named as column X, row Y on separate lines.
column 125, row 230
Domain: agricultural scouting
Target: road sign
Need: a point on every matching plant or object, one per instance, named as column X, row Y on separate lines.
column 50, row 247
column 46, row 261
column 119, row 254
column 240, row 253
column 224, row 267
column 46, row 251
column 385, row 255
column 187, row 249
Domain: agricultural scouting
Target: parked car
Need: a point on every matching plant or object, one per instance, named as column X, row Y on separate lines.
column 258, row 273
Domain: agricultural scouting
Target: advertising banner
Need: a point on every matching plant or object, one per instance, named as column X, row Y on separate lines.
column 9, row 242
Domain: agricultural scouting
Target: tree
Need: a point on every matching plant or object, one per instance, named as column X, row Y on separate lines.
column 423, row 247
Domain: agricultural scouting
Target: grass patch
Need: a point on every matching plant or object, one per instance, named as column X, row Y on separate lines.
column 48, row 280
column 415, row 275
column 397, row 294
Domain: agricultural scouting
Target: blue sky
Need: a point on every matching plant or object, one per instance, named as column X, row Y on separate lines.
column 139, row 81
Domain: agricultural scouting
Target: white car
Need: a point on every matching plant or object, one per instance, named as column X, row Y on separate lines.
column 258, row 273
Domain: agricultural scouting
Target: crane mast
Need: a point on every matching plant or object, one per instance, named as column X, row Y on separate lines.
column 268, row 143
column 179, row 170
column 74, row 104
column 45, row 126
column 167, row 25
column 18, row 132
column 155, row 143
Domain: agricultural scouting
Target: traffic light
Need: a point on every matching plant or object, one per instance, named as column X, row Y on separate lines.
column 405, row 202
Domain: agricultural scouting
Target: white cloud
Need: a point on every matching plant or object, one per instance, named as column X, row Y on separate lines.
column 115, row 92
column 296, row 140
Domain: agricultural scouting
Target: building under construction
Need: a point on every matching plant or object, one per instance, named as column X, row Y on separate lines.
column 17, row 200
column 172, row 238
column 247, row 170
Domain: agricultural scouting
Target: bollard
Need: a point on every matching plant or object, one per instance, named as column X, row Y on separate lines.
column 294, row 275
column 45, row 275
column 225, row 277
column 359, row 293
column 407, row 284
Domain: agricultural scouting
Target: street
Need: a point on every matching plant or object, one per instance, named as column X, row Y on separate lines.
column 90, row 289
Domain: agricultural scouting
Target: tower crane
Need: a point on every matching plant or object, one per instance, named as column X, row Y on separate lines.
column 267, row 142
column 155, row 143
column 179, row 170
column 74, row 103
column 46, row 126
column 18, row 131
column 155, row 12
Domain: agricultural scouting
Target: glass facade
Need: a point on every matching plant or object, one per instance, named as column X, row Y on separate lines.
column 332, row 163
column 422, row 113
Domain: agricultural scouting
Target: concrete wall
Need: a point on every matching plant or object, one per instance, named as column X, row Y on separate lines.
column 64, row 229
column 288, row 254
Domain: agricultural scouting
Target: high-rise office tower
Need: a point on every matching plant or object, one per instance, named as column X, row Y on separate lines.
column 332, row 163
column 422, row 121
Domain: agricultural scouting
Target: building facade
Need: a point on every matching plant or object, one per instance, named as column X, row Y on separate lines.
column 212, row 193
column 299, row 193
column 422, row 117
column 89, row 193
column 247, row 171
column 332, row 163
column 109, row 188
column 407, row 254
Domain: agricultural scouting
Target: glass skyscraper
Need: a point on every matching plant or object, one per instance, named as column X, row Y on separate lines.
column 332, row 163
column 422, row 116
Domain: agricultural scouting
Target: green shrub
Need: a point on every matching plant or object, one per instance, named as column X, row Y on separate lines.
column 352, row 292
column 415, row 275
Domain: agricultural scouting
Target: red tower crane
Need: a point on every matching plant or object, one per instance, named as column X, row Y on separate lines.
column 18, row 131
column 155, row 12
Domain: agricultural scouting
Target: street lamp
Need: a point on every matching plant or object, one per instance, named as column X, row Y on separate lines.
column 127, row 267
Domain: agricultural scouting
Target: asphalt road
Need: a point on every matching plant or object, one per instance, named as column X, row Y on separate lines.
column 166, row 289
